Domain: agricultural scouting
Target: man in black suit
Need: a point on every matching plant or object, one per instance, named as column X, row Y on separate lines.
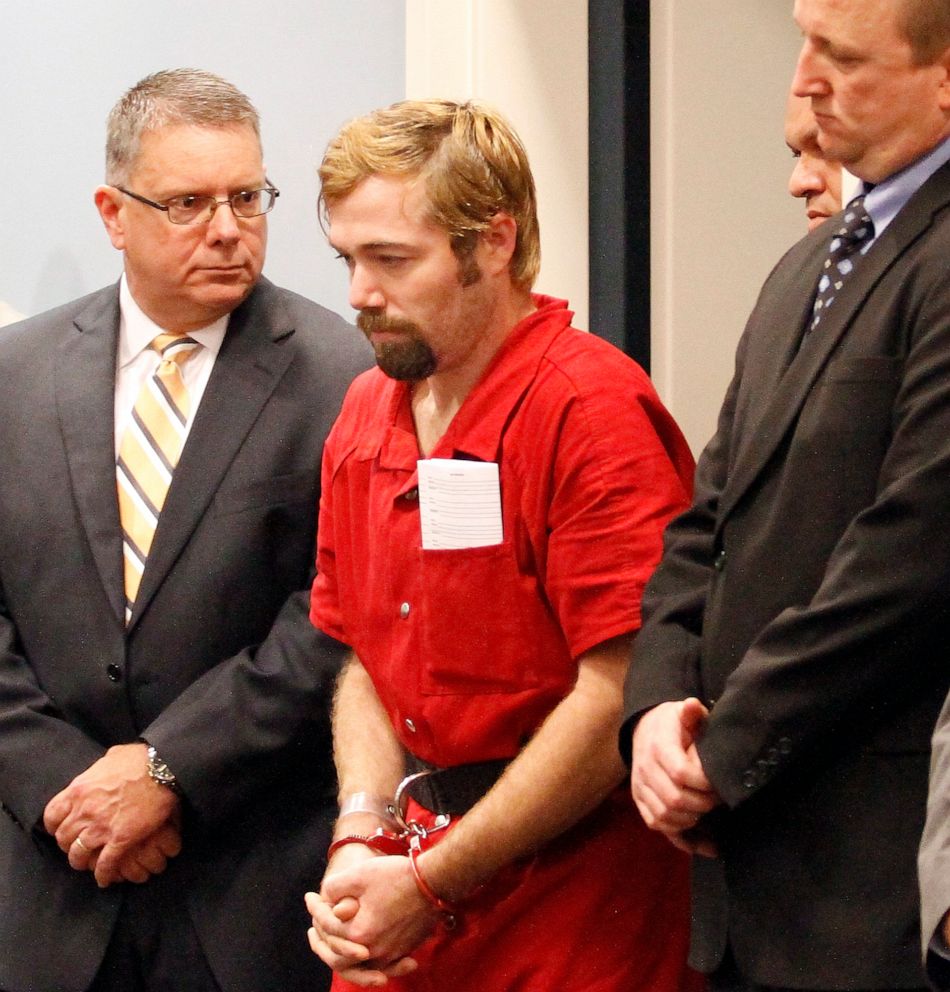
column 793, row 655
column 169, row 732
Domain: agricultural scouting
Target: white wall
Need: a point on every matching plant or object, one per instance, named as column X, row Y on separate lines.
column 529, row 60
column 308, row 65
column 721, row 213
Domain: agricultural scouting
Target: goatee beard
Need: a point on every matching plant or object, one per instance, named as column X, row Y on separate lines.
column 409, row 359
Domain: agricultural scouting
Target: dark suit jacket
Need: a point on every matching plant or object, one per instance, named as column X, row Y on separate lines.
column 934, row 856
column 806, row 598
column 220, row 668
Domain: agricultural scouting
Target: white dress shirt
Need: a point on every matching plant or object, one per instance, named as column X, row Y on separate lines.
column 136, row 361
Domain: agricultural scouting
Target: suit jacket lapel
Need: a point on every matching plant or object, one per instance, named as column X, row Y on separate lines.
column 85, row 391
column 246, row 372
column 763, row 434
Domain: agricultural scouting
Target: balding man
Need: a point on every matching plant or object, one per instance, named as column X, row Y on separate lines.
column 793, row 656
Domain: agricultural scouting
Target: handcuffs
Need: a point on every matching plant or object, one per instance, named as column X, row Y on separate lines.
column 406, row 840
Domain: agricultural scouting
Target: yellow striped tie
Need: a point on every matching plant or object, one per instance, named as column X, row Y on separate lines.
column 148, row 455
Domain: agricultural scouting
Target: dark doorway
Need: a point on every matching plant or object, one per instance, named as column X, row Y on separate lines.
column 619, row 129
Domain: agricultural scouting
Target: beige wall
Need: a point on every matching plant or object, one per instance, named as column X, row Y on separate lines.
column 529, row 59
column 721, row 215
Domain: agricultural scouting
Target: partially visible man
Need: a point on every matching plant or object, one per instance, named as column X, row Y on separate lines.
column 934, row 860
column 8, row 315
column 161, row 687
column 793, row 656
column 815, row 178
column 488, row 657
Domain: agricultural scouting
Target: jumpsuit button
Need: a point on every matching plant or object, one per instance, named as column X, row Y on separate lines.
column 412, row 494
column 404, row 610
column 410, row 726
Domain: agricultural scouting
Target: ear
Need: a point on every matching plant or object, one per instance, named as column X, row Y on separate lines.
column 110, row 204
column 497, row 243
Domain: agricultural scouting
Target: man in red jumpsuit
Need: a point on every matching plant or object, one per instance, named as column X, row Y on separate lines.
column 490, row 607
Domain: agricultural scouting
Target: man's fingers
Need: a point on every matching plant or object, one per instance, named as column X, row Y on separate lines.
column 662, row 795
column 134, row 871
column 684, row 769
column 693, row 715
column 55, row 813
column 336, row 953
column 400, row 968
column 352, row 971
column 346, row 909
column 150, row 857
column 108, row 867
column 167, row 839
column 331, row 930
column 81, row 854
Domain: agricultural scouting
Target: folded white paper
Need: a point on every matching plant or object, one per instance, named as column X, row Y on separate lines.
column 459, row 503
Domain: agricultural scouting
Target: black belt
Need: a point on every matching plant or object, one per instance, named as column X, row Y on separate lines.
column 451, row 790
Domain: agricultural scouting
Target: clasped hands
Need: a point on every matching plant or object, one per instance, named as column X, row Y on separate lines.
column 114, row 820
column 368, row 916
column 667, row 780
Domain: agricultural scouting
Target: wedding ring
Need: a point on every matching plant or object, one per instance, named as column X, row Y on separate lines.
column 81, row 845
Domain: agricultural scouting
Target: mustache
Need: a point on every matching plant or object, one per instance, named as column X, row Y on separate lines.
column 374, row 321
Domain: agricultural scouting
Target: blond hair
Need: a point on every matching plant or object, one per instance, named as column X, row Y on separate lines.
column 469, row 158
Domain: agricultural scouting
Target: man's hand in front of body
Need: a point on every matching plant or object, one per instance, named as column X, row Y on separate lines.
column 369, row 916
column 667, row 780
column 114, row 820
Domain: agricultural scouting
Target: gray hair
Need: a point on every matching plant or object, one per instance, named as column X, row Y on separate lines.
column 172, row 96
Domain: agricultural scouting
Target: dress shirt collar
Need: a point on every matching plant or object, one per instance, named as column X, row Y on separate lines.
column 137, row 331
column 885, row 200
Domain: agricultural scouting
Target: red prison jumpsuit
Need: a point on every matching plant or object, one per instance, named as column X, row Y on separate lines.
column 469, row 650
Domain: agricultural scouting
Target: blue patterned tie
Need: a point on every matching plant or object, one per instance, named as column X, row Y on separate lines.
column 853, row 236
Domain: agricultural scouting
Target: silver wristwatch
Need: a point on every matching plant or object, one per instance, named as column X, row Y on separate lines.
column 159, row 772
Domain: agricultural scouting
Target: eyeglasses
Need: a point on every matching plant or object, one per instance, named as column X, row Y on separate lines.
column 194, row 209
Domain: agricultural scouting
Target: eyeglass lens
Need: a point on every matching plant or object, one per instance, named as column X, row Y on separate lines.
column 190, row 209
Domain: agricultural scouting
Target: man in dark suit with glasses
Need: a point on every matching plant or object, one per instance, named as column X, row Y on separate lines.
column 164, row 765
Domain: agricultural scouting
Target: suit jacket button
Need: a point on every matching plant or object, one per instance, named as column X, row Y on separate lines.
column 114, row 673
column 750, row 780
column 719, row 562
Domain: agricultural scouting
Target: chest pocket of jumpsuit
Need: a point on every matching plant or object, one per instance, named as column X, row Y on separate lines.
column 483, row 623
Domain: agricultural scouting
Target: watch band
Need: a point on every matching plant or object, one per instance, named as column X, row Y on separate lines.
column 159, row 772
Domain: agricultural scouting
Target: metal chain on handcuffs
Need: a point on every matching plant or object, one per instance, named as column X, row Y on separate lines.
column 406, row 842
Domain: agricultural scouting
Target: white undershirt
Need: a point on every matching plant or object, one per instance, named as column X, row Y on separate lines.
column 136, row 361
